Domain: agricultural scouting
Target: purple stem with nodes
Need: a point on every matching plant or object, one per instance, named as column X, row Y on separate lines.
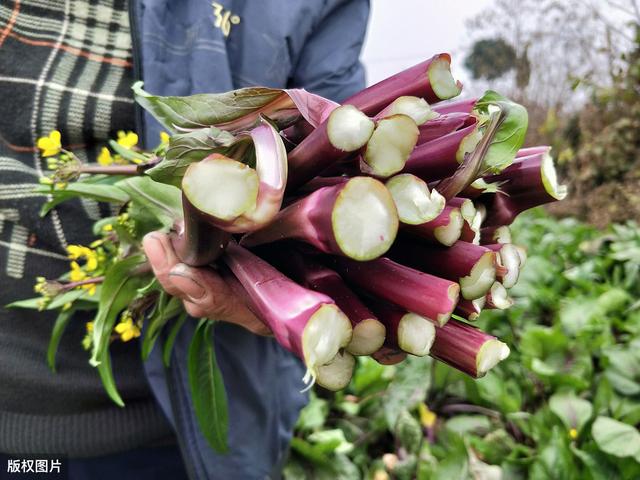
column 446, row 228
column 368, row 332
column 441, row 126
column 406, row 331
column 431, row 80
column 345, row 130
column 304, row 322
column 465, row 105
column 503, row 209
column 356, row 219
column 472, row 219
column 427, row 295
column 472, row 266
column 468, row 349
column 470, row 309
column 441, row 157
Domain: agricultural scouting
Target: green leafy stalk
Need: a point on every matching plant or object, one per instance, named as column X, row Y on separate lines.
column 171, row 339
column 58, row 329
column 509, row 137
column 207, row 388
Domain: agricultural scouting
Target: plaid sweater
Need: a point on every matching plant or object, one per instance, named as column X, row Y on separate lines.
column 65, row 65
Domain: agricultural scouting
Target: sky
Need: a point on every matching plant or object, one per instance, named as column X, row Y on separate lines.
column 402, row 33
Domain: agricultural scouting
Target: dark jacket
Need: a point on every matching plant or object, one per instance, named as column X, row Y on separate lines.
column 180, row 48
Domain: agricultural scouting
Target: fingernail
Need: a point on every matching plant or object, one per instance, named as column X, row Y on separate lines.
column 182, row 278
column 153, row 245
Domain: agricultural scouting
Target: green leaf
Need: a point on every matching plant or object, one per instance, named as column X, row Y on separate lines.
column 409, row 432
column 56, row 334
column 187, row 148
column 314, row 414
column 616, row 438
column 204, row 110
column 106, row 375
column 511, row 133
column 207, row 388
column 160, row 201
column 127, row 153
column 171, row 339
column 554, row 460
column 574, row 412
column 408, row 388
column 164, row 311
column 331, row 441
column 68, row 297
column 95, row 191
column 596, row 463
column 119, row 288
column 466, row 424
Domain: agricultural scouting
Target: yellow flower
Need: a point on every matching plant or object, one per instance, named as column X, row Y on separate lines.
column 164, row 137
column 66, row 306
column 90, row 288
column 105, row 158
column 89, row 326
column 573, row 434
column 92, row 261
column 427, row 417
column 76, row 274
column 128, row 139
column 50, row 145
column 126, row 328
column 107, row 228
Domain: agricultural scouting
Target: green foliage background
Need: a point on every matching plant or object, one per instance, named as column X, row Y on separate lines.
column 564, row 405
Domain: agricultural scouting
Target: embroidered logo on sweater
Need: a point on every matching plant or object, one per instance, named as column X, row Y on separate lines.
column 224, row 19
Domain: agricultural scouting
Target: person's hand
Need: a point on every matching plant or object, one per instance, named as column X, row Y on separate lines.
column 203, row 292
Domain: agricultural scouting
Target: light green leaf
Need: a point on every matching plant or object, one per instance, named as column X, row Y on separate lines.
column 408, row 432
column 187, row 148
column 56, row 334
column 408, row 388
column 68, row 297
column 165, row 310
column 106, row 375
column 511, row 133
column 162, row 202
column 574, row 412
column 95, row 191
column 207, row 388
column 331, row 441
column 127, row 153
column 171, row 339
column 465, row 424
column 119, row 288
column 314, row 414
column 616, row 438
column 207, row 109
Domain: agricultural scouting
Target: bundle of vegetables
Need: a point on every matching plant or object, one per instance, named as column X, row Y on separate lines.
column 393, row 237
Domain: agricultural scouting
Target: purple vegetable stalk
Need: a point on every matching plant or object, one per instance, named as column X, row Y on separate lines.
column 465, row 105
column 415, row 203
column 446, row 228
column 509, row 263
column 431, row 80
column 406, row 331
column 416, row 108
column 441, row 126
column 426, row 295
column 304, row 322
column 498, row 298
column 346, row 130
column 472, row 266
column 368, row 332
column 468, row 349
column 356, row 219
column 441, row 157
column 470, row 309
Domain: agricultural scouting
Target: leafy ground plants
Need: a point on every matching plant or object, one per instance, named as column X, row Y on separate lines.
column 565, row 405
